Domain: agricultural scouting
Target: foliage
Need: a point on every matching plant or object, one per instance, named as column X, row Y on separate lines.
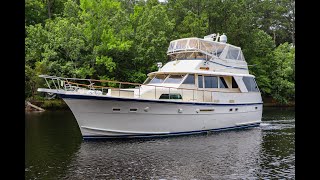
column 123, row 39
column 283, row 74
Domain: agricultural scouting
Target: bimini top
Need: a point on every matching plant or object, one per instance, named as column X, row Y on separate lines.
column 206, row 49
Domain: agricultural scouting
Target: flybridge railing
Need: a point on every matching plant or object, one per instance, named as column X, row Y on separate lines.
column 151, row 92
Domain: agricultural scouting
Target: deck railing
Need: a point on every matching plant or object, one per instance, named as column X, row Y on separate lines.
column 154, row 91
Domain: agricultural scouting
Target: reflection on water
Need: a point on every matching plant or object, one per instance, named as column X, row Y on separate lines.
column 55, row 150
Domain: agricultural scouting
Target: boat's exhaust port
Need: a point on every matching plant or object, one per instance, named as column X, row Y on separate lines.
column 133, row 109
column 256, row 107
column 236, row 109
column 180, row 110
column 230, row 109
column 116, row 109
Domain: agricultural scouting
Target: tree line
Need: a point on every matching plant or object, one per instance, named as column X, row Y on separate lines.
column 123, row 39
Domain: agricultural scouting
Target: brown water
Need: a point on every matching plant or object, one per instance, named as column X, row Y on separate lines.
column 54, row 149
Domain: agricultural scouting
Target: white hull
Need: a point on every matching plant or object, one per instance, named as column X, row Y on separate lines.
column 96, row 117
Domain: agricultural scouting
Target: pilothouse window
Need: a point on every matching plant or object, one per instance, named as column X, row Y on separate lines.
column 234, row 83
column 189, row 79
column 210, row 82
column 200, row 81
column 222, row 83
column 250, row 84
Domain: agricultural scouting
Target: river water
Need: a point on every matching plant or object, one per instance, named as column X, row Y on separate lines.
column 54, row 149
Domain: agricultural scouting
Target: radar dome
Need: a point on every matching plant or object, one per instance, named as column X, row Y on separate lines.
column 223, row 38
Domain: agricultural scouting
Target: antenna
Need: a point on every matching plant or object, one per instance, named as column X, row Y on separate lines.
column 217, row 37
column 159, row 64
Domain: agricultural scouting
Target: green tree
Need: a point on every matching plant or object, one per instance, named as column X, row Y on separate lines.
column 35, row 12
column 283, row 75
column 153, row 35
column 123, row 39
column 257, row 53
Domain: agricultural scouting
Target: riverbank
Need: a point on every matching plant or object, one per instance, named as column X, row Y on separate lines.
column 53, row 104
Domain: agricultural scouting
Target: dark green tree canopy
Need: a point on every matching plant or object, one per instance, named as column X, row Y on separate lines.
column 123, row 39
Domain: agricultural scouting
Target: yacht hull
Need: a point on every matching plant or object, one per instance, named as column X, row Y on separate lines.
column 111, row 117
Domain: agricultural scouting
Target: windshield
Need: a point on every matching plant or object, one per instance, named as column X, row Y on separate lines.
column 147, row 80
column 159, row 78
column 174, row 79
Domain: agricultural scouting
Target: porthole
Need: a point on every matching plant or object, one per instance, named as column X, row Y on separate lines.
column 206, row 110
column 230, row 109
column 133, row 109
column 116, row 109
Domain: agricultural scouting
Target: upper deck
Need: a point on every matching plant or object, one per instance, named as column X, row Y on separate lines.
column 207, row 55
column 204, row 49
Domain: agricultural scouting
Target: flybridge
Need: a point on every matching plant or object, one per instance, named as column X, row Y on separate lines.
column 204, row 49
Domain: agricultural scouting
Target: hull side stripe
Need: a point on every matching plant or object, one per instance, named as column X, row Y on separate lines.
column 75, row 96
column 114, row 131
column 174, row 134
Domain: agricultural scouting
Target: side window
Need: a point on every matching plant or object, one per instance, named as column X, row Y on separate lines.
column 210, row 82
column 250, row 84
column 234, row 83
column 222, row 83
column 255, row 85
column 232, row 53
column 189, row 79
column 200, row 82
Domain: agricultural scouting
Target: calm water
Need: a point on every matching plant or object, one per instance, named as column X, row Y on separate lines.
column 54, row 150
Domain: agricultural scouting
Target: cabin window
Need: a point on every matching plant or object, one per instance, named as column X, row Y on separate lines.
column 234, row 83
column 200, row 81
column 170, row 96
column 174, row 79
column 116, row 109
column 159, row 78
column 222, row 83
column 189, row 79
column 211, row 82
column 250, row 84
column 232, row 53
